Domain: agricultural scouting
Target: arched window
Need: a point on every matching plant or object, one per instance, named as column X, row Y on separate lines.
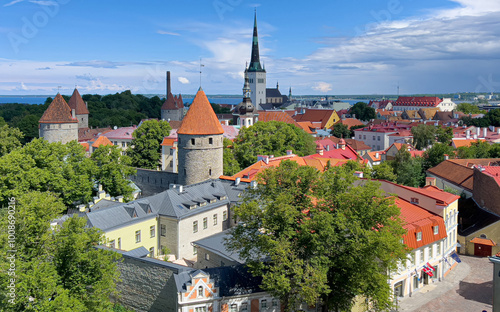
column 200, row 291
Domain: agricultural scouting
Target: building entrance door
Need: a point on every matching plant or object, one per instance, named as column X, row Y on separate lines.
column 481, row 250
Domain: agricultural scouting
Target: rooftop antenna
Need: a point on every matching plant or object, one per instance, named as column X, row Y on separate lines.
column 58, row 88
column 201, row 65
column 398, row 88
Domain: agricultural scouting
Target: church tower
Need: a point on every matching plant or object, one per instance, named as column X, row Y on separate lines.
column 200, row 143
column 245, row 114
column 256, row 73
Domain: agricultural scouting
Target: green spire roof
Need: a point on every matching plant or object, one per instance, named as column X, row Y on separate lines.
column 255, row 60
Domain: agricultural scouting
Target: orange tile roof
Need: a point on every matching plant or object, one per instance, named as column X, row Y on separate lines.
column 168, row 141
column 101, row 141
column 76, row 102
column 483, row 241
column 467, row 142
column 373, row 155
column 434, row 192
column 58, row 112
column 351, row 122
column 85, row 145
column 306, row 126
column 417, row 220
column 266, row 116
column 200, row 118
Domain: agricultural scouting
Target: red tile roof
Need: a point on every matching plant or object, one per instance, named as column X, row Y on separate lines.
column 58, row 112
column 200, row 118
column 428, row 101
column 168, row 141
column 417, row 220
column 88, row 134
column 318, row 115
column 101, row 141
column 85, row 145
column 493, row 171
column 76, row 102
column 434, row 192
column 173, row 102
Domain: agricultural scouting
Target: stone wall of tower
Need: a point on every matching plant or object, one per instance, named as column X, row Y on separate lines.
column 172, row 114
column 83, row 121
column 200, row 158
column 59, row 132
column 258, row 88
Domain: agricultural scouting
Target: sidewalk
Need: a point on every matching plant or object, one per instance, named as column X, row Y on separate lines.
column 468, row 287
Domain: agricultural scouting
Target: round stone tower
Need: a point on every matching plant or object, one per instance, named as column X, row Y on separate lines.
column 58, row 122
column 200, row 143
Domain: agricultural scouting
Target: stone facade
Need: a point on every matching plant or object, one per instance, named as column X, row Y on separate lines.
column 83, row 120
column 200, row 158
column 152, row 181
column 146, row 285
column 172, row 114
column 59, row 132
column 209, row 259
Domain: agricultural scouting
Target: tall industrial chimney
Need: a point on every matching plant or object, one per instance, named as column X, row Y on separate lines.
column 168, row 84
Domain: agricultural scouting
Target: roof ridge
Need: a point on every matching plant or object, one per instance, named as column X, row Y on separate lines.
column 200, row 118
column 58, row 112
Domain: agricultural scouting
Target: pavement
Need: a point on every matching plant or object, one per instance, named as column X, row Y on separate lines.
column 468, row 287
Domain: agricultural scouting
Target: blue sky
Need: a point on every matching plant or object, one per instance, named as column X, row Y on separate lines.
column 315, row 47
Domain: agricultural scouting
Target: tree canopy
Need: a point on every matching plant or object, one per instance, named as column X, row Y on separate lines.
column 62, row 169
column 341, row 131
column 146, row 148
column 363, row 111
column 468, row 108
column 55, row 270
column 10, row 139
column 271, row 138
column 423, row 135
column 322, row 238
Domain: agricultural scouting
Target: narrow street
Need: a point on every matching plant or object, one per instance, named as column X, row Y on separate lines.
column 468, row 288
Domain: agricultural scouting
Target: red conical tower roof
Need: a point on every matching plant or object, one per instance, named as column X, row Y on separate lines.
column 200, row 118
column 76, row 102
column 58, row 112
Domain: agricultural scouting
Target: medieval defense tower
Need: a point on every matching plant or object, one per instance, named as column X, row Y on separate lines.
column 173, row 108
column 58, row 122
column 200, row 143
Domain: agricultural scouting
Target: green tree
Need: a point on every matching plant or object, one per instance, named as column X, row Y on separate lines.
column 231, row 166
column 113, row 170
column 42, row 282
column 384, row 171
column 146, row 151
column 423, row 135
column 444, row 134
column 435, row 155
column 341, row 131
column 326, row 240
column 409, row 170
column 271, row 138
column 363, row 111
column 10, row 139
column 41, row 166
column 493, row 117
column 468, row 108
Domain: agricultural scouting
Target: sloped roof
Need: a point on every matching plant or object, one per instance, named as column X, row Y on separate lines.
column 318, row 115
column 200, row 118
column 483, row 241
column 88, row 134
column 168, row 141
column 273, row 92
column 428, row 101
column 464, row 142
column 434, row 192
column 76, row 102
column 101, row 141
column 172, row 102
column 215, row 244
column 266, row 116
column 493, row 171
column 351, row 122
column 123, row 133
column 417, row 220
column 58, row 112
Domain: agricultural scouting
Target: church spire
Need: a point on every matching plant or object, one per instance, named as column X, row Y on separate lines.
column 255, row 59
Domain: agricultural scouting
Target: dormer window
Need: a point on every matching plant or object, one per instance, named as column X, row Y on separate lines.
column 200, row 292
column 436, row 229
column 414, row 200
column 419, row 236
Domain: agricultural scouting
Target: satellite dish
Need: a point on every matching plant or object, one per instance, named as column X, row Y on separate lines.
column 115, row 127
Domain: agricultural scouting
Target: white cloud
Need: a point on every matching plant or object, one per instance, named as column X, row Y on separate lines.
column 44, row 3
column 164, row 32
column 322, row 87
column 183, row 80
column 12, row 3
